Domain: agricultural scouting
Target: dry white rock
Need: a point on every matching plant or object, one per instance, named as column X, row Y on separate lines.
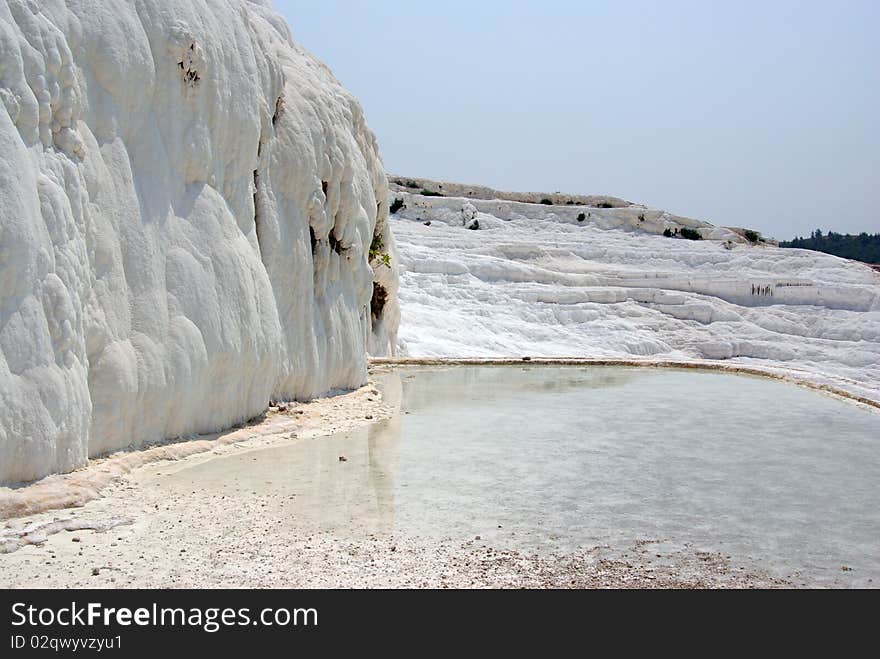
column 187, row 205
column 569, row 281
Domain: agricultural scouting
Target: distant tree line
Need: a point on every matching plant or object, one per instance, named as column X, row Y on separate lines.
column 863, row 247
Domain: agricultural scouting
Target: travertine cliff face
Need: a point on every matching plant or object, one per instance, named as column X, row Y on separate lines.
column 188, row 202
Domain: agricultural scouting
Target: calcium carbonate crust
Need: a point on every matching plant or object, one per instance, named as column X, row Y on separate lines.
column 495, row 278
column 189, row 201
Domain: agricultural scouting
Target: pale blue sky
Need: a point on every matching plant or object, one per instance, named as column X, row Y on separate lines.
column 759, row 114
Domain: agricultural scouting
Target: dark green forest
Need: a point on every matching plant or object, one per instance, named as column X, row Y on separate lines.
column 863, row 247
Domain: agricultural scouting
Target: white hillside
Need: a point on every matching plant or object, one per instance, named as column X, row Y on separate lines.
column 187, row 206
column 569, row 281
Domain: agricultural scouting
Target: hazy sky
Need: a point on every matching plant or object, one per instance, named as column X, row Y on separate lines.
column 759, row 114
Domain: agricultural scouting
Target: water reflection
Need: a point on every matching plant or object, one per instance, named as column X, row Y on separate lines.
column 305, row 482
column 547, row 458
column 487, row 384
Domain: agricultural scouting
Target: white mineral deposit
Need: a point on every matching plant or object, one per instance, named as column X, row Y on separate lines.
column 235, row 352
column 189, row 200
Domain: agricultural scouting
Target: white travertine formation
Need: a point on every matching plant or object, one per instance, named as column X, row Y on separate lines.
column 568, row 281
column 187, row 206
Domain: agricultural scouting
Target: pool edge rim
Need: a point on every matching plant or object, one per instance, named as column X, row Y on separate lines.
column 705, row 365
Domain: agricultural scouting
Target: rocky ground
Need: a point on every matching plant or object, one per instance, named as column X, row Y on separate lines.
column 191, row 540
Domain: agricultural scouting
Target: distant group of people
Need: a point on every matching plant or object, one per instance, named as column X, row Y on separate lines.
column 757, row 289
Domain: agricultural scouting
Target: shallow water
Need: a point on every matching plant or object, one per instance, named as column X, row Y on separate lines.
column 552, row 459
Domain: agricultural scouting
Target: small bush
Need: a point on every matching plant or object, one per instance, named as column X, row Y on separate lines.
column 546, row 202
column 690, row 234
column 412, row 185
column 752, row 236
column 667, row 232
column 605, row 204
column 429, row 193
column 376, row 253
column 397, row 205
column 641, row 217
column 582, row 217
